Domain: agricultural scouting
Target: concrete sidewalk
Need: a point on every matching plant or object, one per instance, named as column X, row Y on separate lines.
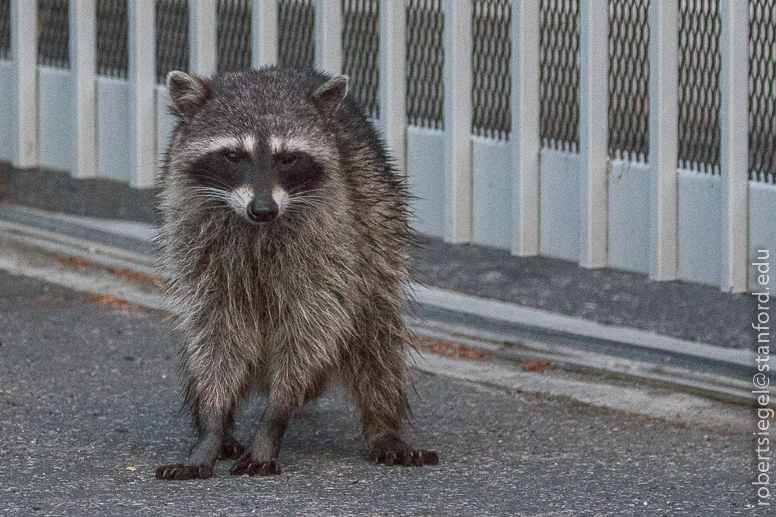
column 89, row 398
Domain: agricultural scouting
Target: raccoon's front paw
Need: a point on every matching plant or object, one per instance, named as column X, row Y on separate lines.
column 247, row 465
column 393, row 451
column 231, row 449
column 179, row 471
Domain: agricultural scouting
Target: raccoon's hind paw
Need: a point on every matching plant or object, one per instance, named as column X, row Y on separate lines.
column 179, row 471
column 247, row 465
column 393, row 451
column 231, row 449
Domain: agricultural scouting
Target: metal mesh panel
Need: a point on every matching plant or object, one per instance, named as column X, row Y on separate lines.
column 629, row 79
column 361, row 46
column 5, row 29
column 234, row 35
column 762, row 92
column 296, row 33
column 491, row 63
column 699, row 93
column 425, row 58
column 172, row 37
column 559, row 74
column 53, row 33
column 112, row 38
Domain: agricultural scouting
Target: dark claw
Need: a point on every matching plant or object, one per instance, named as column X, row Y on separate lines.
column 247, row 465
column 179, row 471
column 231, row 449
column 393, row 451
column 388, row 458
column 421, row 457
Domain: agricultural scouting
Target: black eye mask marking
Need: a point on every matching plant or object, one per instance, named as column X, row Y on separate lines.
column 228, row 169
column 221, row 169
column 298, row 171
column 287, row 159
column 236, row 156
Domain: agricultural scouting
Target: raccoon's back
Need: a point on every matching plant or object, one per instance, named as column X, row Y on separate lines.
column 380, row 200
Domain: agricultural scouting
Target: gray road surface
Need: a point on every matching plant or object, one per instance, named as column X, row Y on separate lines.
column 88, row 409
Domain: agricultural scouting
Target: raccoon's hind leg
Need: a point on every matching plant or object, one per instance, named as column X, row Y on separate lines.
column 231, row 449
column 375, row 371
column 261, row 460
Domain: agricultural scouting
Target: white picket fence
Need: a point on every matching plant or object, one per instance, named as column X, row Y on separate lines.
column 511, row 193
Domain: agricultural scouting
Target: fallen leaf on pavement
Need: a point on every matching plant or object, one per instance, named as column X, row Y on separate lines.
column 535, row 365
column 455, row 350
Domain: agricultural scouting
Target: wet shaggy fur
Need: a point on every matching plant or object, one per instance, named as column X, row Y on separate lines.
column 282, row 308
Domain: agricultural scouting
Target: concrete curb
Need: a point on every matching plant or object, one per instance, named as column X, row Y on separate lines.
column 577, row 326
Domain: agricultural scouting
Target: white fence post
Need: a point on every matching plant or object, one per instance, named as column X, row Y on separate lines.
column 203, row 49
column 393, row 80
column 264, row 28
column 328, row 36
column 526, row 143
column 83, row 40
column 458, row 120
column 734, row 152
column 664, row 138
column 594, row 132
column 24, row 50
column 142, row 88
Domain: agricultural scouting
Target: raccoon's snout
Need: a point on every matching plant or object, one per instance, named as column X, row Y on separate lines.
column 257, row 207
column 262, row 212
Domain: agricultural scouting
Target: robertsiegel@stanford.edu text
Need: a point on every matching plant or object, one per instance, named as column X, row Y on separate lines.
column 761, row 379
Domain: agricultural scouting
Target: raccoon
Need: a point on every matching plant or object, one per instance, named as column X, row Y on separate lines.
column 285, row 237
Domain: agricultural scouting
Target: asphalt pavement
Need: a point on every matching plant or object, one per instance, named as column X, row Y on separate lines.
column 89, row 408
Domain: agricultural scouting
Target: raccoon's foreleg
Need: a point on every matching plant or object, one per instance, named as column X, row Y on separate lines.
column 261, row 460
column 211, row 392
column 203, row 456
column 376, row 374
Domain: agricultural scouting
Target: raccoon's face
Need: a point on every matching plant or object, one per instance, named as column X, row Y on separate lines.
column 258, row 181
column 246, row 155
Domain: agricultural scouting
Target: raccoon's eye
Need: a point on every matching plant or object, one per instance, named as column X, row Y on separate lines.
column 234, row 156
column 286, row 159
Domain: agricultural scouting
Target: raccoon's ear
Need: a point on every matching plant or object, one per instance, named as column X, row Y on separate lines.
column 328, row 96
column 188, row 93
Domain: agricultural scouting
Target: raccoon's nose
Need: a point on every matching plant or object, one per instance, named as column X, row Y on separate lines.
column 259, row 212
